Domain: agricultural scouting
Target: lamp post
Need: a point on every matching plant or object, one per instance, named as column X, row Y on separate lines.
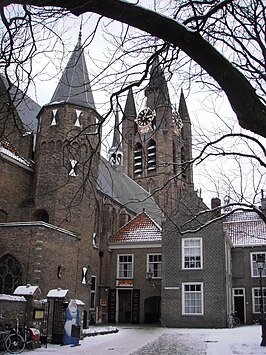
column 149, row 275
column 260, row 264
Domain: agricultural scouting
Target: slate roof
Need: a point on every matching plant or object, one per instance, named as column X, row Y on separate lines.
column 122, row 189
column 245, row 229
column 74, row 86
column 139, row 229
column 27, row 109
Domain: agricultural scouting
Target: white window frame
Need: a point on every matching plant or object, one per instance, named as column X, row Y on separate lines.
column 184, row 255
column 150, row 265
column 253, row 266
column 256, row 300
column 119, row 270
column 93, row 292
column 184, row 293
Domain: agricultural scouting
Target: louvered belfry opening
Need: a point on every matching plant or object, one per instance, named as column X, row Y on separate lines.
column 138, row 160
column 151, row 154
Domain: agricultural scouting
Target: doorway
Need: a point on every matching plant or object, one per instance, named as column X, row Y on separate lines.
column 239, row 304
column 153, row 309
column 124, row 306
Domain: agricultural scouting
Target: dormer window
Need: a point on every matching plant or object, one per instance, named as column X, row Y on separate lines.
column 73, row 168
column 53, row 122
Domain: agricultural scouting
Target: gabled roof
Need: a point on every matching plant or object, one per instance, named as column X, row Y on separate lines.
column 140, row 229
column 74, row 86
column 26, row 108
column 27, row 290
column 245, row 229
column 125, row 191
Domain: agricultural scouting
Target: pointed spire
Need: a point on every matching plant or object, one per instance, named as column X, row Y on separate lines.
column 74, row 86
column 157, row 91
column 182, row 110
column 117, row 136
column 130, row 107
column 115, row 152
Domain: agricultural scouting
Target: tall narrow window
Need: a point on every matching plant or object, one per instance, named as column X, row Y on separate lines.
column 192, row 253
column 254, row 266
column 151, row 164
column 73, row 168
column 174, row 160
column 53, row 122
column 154, row 265
column 93, row 292
column 125, row 266
column 192, row 298
column 256, row 299
column 183, row 163
column 10, row 274
column 77, row 121
column 138, row 160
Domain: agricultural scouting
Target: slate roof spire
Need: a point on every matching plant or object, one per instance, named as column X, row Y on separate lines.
column 74, row 86
column 183, row 111
column 130, row 107
column 157, row 91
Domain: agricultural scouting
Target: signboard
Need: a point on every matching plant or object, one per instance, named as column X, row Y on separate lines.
column 111, row 305
column 124, row 283
column 135, row 306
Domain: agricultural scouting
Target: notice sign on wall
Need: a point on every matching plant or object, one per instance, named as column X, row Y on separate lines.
column 124, row 283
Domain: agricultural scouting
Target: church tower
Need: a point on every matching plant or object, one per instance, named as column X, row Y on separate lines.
column 68, row 147
column 157, row 143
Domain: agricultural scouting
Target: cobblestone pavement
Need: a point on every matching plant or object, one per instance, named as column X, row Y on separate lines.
column 175, row 345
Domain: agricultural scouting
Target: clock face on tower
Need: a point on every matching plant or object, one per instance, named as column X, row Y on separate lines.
column 145, row 117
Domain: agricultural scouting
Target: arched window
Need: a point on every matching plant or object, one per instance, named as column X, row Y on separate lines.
column 3, row 216
column 174, row 160
column 150, row 186
column 138, row 160
column 40, row 215
column 183, row 163
column 10, row 274
column 151, row 154
column 113, row 221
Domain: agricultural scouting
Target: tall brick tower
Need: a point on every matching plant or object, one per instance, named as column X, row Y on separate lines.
column 157, row 142
column 67, row 158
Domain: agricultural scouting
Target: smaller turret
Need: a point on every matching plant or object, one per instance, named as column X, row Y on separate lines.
column 115, row 152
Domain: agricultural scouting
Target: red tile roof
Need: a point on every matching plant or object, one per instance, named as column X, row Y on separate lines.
column 245, row 229
column 140, row 229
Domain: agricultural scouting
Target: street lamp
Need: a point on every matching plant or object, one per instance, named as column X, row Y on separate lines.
column 260, row 265
column 149, row 275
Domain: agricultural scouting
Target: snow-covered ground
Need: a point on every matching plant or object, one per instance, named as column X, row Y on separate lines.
column 144, row 340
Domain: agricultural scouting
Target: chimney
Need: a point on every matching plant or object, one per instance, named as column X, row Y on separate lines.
column 215, row 203
column 263, row 203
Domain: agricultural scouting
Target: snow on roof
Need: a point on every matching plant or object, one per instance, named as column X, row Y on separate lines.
column 4, row 297
column 140, row 229
column 26, row 290
column 8, row 150
column 245, row 229
column 79, row 302
column 57, row 293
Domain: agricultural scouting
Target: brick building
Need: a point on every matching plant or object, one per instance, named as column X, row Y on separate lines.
column 74, row 221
